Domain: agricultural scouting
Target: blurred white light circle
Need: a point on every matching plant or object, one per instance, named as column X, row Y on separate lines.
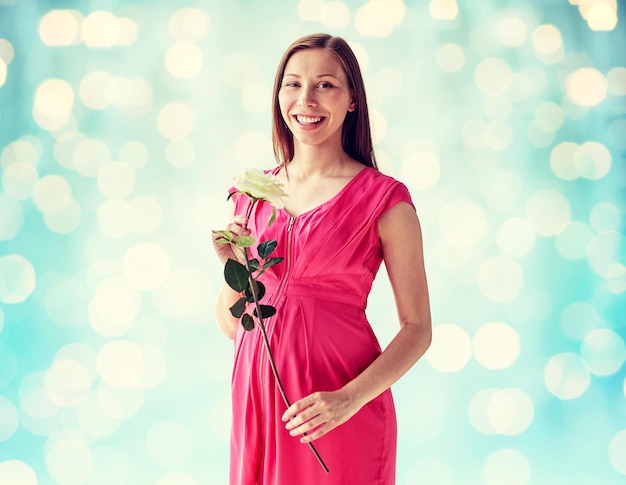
column 114, row 307
column 100, row 29
column 129, row 32
column 548, row 211
column 547, row 40
column 512, row 32
column 592, row 160
column 17, row 278
column 180, row 153
column 450, row 57
column 498, row 107
column 66, row 220
column 603, row 252
column 578, row 319
column 68, row 383
column 451, row 348
column 335, row 15
column 443, row 9
column 184, row 60
column 496, row 345
column 500, row 279
column 89, row 156
column 120, row 403
column 9, row 421
column 616, row 79
column 169, row 443
column 510, row 411
column 515, row 237
column 462, row 223
column 12, row 217
column 60, row 27
column 146, row 266
column 3, row 72
column 52, row 194
column 602, row 17
column 97, row 90
column 573, row 241
column 562, row 160
column 379, row 126
column 493, row 76
column 617, row 451
column 605, row 217
column 19, row 180
column 374, row 19
column 54, row 98
column 175, row 121
column 508, row 467
column 69, row 461
column 21, row 151
column 586, row 87
column 116, row 180
column 477, row 411
column 604, row 351
column 6, row 51
column 310, row 10
column 567, row 376
column 189, row 24
column 16, row 472
column 120, row 363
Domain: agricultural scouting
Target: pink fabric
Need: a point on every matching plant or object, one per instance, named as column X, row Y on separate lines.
column 321, row 340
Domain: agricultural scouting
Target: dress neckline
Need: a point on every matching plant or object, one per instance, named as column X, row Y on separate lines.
column 327, row 202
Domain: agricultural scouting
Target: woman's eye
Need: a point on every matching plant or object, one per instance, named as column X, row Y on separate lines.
column 291, row 84
column 325, row 85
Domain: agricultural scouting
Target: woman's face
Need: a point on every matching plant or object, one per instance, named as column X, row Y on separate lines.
column 314, row 97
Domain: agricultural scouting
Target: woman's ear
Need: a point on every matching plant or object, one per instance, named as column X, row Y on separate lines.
column 352, row 105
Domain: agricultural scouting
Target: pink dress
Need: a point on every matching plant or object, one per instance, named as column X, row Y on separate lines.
column 321, row 340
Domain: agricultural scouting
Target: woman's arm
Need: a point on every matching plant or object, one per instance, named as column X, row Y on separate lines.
column 227, row 296
column 401, row 238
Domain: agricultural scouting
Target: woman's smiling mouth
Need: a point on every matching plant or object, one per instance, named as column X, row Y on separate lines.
column 308, row 120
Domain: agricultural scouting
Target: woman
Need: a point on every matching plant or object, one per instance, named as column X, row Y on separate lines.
column 342, row 217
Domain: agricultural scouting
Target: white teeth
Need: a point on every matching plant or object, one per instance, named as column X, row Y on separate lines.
column 308, row 120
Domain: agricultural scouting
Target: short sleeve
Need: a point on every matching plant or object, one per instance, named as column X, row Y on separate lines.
column 398, row 193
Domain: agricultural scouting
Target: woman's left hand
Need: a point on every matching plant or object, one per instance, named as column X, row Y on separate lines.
column 319, row 413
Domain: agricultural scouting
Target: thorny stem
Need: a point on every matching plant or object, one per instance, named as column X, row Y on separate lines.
column 267, row 343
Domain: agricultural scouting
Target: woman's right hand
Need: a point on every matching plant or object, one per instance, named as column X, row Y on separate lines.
column 224, row 252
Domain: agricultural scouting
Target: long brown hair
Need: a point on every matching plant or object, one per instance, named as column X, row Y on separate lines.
column 356, row 136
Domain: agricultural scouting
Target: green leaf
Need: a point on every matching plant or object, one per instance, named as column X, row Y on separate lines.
column 245, row 241
column 239, row 307
column 260, row 291
column 272, row 262
column 254, row 264
column 236, row 275
column 266, row 311
column 272, row 218
column 265, row 248
column 247, row 321
column 227, row 237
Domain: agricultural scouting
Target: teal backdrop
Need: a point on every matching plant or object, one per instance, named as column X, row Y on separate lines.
column 122, row 125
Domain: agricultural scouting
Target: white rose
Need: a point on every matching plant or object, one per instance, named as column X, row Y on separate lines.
column 262, row 186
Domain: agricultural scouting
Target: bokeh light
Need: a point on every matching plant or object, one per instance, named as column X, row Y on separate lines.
column 121, row 128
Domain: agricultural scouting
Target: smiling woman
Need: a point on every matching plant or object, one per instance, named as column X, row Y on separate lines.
column 341, row 219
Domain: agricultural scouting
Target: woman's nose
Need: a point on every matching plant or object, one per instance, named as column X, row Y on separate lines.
column 306, row 98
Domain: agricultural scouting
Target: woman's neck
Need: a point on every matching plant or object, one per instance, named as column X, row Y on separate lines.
column 311, row 160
